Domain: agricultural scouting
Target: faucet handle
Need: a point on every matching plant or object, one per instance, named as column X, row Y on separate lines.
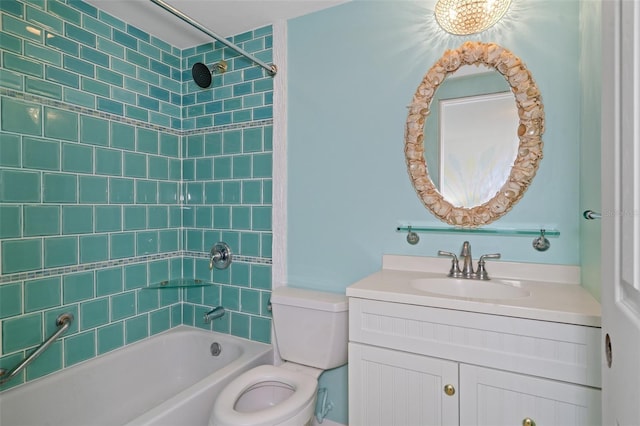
column 455, row 267
column 481, row 273
column 489, row 256
column 220, row 256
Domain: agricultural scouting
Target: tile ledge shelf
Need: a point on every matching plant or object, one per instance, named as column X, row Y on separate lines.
column 178, row 283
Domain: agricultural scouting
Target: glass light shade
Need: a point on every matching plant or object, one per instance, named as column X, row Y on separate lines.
column 464, row 17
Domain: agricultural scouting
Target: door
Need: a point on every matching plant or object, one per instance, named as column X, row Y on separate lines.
column 394, row 388
column 498, row 398
column 621, row 212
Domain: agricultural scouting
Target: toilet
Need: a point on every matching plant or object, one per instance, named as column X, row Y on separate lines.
column 311, row 329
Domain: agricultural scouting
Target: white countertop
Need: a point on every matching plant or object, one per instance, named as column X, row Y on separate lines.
column 555, row 291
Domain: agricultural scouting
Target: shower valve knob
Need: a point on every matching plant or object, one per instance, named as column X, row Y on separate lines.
column 220, row 256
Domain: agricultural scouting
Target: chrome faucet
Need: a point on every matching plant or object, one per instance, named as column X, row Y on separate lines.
column 467, row 263
column 467, row 260
column 215, row 313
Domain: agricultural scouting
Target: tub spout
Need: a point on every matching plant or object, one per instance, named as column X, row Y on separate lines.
column 215, row 313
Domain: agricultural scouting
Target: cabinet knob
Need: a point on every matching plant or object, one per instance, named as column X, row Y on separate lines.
column 449, row 390
column 528, row 422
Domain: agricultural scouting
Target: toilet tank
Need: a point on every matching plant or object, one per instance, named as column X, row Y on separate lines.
column 311, row 327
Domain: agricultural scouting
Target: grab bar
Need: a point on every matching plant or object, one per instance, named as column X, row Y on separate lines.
column 63, row 322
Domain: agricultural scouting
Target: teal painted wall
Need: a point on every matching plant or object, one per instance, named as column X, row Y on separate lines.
column 590, row 187
column 352, row 70
column 116, row 172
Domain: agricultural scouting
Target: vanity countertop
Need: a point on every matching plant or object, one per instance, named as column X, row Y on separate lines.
column 555, row 291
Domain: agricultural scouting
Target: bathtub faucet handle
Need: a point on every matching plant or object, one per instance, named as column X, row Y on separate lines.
column 220, row 256
column 214, row 313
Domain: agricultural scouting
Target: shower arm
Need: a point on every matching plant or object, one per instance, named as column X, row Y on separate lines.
column 271, row 69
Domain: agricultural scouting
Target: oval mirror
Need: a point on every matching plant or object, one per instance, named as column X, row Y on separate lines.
column 481, row 145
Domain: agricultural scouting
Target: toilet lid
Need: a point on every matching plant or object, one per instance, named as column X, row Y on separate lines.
column 224, row 413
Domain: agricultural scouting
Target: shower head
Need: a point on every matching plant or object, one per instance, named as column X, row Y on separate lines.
column 202, row 75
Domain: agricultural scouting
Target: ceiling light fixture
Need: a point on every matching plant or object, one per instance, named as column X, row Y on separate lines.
column 464, row 17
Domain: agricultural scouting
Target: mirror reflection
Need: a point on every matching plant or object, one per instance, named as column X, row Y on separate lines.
column 471, row 137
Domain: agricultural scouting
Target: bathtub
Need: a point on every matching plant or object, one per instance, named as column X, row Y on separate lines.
column 169, row 379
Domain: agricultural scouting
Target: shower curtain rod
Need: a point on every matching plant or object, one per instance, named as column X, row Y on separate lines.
column 271, row 69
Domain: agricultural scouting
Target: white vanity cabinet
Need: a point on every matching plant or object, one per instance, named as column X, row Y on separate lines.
column 413, row 365
column 493, row 397
column 389, row 387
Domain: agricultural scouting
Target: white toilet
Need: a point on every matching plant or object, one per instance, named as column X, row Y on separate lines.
column 311, row 329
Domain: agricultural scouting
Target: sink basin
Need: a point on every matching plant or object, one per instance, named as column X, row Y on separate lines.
column 470, row 289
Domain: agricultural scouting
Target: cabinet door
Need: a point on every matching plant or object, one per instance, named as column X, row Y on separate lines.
column 493, row 398
column 394, row 388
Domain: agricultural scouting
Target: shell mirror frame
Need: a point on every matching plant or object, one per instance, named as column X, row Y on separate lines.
column 530, row 112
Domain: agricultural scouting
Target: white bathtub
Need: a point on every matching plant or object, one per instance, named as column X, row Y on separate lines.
column 169, row 379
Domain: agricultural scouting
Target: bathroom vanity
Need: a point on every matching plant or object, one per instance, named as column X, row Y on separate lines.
column 523, row 350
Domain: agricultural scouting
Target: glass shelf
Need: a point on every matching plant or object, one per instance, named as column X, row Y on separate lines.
column 551, row 233
column 179, row 283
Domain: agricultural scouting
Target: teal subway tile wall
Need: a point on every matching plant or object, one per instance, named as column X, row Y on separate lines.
column 117, row 172
column 226, row 187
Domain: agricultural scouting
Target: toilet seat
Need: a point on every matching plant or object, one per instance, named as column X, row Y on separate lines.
column 224, row 411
